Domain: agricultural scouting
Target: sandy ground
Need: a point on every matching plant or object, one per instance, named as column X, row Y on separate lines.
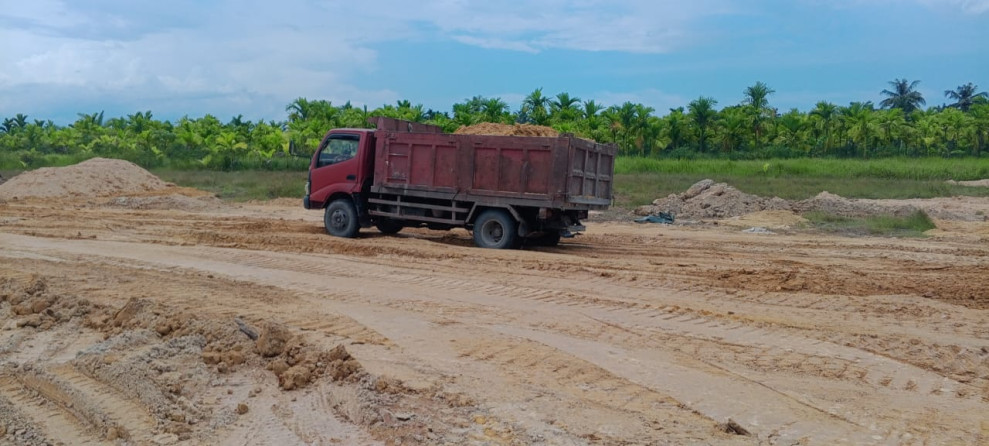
column 157, row 319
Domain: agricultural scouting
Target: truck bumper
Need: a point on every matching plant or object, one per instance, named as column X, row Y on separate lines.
column 306, row 203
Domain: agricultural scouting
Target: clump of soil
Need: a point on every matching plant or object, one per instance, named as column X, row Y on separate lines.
column 297, row 365
column 33, row 305
column 491, row 128
column 97, row 177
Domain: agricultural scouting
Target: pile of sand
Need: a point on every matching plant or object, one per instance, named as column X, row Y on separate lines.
column 490, row 128
column 709, row 200
column 847, row 207
column 97, row 177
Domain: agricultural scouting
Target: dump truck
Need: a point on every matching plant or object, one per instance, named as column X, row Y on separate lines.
column 508, row 191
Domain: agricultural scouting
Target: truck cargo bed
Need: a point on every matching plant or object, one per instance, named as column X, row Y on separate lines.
column 562, row 172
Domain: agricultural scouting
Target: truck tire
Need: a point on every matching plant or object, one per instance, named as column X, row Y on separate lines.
column 341, row 219
column 496, row 229
column 388, row 226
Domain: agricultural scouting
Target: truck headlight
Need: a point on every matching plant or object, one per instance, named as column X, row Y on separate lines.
column 307, row 188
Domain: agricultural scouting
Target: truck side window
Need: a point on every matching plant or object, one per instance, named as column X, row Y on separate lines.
column 338, row 148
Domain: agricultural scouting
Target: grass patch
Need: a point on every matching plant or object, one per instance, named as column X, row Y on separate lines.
column 913, row 225
column 918, row 169
column 240, row 185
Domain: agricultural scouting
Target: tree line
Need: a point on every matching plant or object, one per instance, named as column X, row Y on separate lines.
column 752, row 129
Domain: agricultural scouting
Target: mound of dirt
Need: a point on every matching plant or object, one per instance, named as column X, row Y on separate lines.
column 707, row 199
column 97, row 177
column 848, row 207
column 490, row 128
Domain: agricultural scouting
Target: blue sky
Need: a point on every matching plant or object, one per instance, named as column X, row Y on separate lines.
column 226, row 57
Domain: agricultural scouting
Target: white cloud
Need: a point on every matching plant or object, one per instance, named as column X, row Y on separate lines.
column 230, row 54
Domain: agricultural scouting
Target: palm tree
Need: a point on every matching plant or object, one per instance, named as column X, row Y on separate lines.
column 861, row 124
column 892, row 123
column 964, row 95
column 734, row 122
column 563, row 102
column 702, row 113
column 627, row 121
column 903, row 96
column 827, row 118
column 299, row 110
column 757, row 97
column 676, row 124
column 980, row 121
column 494, row 109
column 564, row 109
column 534, row 108
column 645, row 136
column 591, row 109
column 792, row 123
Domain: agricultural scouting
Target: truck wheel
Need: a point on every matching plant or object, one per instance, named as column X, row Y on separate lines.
column 388, row 226
column 496, row 229
column 341, row 219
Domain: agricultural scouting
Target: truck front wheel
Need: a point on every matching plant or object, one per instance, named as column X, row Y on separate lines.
column 341, row 219
column 496, row 229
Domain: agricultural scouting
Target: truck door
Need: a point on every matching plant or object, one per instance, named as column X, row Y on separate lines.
column 336, row 167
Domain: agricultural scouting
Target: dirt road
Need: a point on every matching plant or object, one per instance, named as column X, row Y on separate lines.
column 124, row 326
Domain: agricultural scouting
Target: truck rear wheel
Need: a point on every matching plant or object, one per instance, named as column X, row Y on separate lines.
column 496, row 229
column 341, row 219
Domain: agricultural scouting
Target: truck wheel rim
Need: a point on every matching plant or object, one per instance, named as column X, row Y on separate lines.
column 338, row 220
column 492, row 232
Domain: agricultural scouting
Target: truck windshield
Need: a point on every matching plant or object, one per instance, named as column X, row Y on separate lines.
column 338, row 148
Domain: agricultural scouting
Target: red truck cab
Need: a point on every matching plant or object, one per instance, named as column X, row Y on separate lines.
column 340, row 166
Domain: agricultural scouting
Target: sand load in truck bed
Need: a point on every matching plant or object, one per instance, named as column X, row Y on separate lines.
column 491, row 128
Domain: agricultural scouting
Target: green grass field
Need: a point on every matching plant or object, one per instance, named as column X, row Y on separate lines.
column 241, row 185
column 885, row 225
column 885, row 168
